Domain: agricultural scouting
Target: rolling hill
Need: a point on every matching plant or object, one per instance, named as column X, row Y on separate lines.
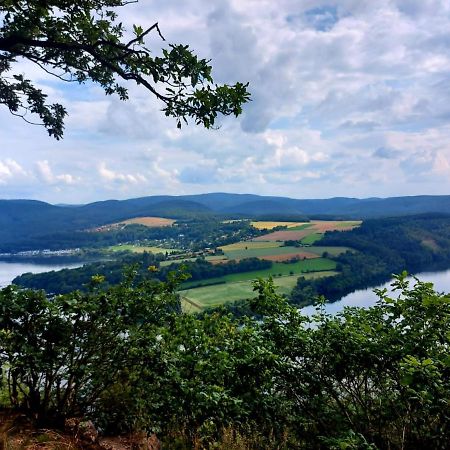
column 20, row 219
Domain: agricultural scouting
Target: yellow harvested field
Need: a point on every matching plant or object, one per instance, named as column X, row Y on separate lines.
column 150, row 221
column 146, row 221
column 266, row 225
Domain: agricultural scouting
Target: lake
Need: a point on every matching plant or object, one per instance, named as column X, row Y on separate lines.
column 10, row 270
column 366, row 297
column 363, row 297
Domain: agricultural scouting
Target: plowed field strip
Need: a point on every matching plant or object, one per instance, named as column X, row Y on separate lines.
column 289, row 256
column 321, row 226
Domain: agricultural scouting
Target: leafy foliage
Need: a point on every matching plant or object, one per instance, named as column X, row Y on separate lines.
column 365, row 378
column 60, row 353
column 82, row 41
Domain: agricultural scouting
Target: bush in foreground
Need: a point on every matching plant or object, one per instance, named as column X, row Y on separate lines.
column 127, row 358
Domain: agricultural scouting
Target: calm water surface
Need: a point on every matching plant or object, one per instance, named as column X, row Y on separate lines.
column 366, row 297
column 10, row 270
column 363, row 297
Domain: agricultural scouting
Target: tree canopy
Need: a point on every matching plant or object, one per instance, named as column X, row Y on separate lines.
column 84, row 41
column 129, row 359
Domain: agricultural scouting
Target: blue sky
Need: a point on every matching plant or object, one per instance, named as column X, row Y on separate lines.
column 350, row 98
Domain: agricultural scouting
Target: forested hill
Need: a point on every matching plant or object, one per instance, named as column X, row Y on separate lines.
column 383, row 247
column 30, row 218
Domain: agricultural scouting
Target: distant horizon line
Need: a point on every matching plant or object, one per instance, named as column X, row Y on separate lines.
column 223, row 193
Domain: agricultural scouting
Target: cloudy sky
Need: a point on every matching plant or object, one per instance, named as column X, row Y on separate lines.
column 350, row 98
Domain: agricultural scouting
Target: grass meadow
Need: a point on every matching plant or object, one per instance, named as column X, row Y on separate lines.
column 261, row 252
column 196, row 299
column 278, row 269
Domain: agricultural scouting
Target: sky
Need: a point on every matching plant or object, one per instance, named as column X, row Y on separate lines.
column 349, row 98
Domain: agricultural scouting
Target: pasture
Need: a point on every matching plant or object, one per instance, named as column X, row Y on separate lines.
column 196, row 299
column 289, row 256
column 278, row 269
column 250, row 245
column 139, row 248
column 311, row 238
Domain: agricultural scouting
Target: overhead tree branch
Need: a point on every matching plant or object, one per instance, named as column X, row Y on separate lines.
column 84, row 42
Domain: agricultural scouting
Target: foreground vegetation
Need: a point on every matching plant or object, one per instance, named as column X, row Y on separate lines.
column 129, row 359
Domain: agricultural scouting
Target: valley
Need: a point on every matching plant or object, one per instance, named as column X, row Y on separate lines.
column 306, row 258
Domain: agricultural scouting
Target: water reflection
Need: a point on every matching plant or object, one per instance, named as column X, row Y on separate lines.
column 366, row 297
column 10, row 270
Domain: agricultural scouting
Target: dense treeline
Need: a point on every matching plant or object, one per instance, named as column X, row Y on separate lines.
column 128, row 359
column 383, row 247
column 202, row 269
column 67, row 280
column 194, row 234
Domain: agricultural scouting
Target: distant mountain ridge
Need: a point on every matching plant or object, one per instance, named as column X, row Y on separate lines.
column 25, row 218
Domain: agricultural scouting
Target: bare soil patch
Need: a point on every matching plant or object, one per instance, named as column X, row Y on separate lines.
column 290, row 256
column 321, row 226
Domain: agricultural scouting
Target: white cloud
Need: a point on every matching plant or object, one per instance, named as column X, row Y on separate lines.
column 9, row 170
column 348, row 98
column 112, row 176
column 45, row 174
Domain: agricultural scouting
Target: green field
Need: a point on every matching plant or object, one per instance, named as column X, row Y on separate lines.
column 250, row 245
column 263, row 251
column 210, row 296
column 300, row 227
column 311, row 238
column 277, row 269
